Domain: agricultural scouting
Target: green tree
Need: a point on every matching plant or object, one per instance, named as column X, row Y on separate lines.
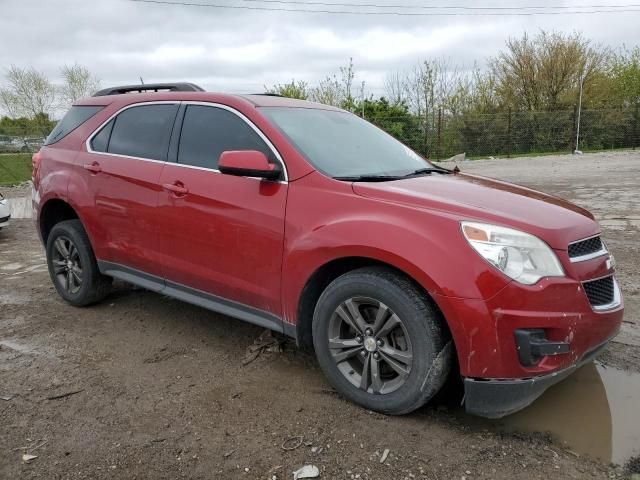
column 28, row 93
column 544, row 72
column 393, row 118
column 79, row 82
column 626, row 76
column 295, row 89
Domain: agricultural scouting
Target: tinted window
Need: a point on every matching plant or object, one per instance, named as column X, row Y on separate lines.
column 143, row 131
column 101, row 141
column 75, row 117
column 209, row 131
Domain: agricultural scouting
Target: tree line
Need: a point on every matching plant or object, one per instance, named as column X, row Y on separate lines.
column 29, row 98
column 525, row 99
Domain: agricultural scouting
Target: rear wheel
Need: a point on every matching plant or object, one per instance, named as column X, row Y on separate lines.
column 72, row 265
column 380, row 342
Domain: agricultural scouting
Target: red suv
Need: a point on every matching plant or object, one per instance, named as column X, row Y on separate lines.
column 307, row 220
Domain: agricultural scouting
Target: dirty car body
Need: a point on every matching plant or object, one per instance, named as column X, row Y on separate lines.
column 518, row 285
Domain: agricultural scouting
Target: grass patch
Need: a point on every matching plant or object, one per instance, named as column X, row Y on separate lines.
column 15, row 168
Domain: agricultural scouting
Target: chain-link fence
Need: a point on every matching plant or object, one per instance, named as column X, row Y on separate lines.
column 442, row 135
column 515, row 133
column 20, row 144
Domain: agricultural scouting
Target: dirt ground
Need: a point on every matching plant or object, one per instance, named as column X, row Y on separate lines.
column 143, row 386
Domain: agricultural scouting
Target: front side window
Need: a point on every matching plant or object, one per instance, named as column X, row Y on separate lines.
column 209, row 131
column 143, row 131
column 341, row 144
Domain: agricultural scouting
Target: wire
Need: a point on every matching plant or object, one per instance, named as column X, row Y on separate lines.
column 443, row 7
column 351, row 12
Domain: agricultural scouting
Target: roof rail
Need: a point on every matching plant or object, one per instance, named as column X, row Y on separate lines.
column 150, row 87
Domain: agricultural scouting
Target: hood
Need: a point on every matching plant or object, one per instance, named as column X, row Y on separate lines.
column 471, row 197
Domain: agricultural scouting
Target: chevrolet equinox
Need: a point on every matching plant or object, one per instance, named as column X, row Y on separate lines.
column 308, row 220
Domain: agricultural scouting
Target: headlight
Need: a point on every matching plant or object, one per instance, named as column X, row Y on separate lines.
column 519, row 255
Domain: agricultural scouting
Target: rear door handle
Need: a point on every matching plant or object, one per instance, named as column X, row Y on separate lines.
column 176, row 188
column 93, row 167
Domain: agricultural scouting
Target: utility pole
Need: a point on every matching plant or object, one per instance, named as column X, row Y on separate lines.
column 577, row 150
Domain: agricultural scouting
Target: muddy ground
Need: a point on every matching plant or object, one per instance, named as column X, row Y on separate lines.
column 150, row 387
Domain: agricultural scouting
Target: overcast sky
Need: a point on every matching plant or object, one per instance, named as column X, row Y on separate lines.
column 241, row 50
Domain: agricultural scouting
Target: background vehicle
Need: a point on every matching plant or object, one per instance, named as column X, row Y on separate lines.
column 307, row 220
column 5, row 212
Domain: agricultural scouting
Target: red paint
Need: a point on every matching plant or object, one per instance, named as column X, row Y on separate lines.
column 258, row 242
column 245, row 160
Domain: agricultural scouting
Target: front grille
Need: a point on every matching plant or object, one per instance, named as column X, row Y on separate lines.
column 585, row 247
column 600, row 292
column 4, row 219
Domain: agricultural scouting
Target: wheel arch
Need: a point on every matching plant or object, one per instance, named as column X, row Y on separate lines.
column 328, row 272
column 53, row 212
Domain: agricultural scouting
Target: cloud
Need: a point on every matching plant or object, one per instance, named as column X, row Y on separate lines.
column 242, row 50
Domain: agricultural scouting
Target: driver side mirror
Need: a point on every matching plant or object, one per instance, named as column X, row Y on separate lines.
column 247, row 163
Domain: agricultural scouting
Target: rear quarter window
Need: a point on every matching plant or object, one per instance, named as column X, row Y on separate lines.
column 75, row 117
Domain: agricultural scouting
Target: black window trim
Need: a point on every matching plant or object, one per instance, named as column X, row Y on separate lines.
column 173, row 137
column 90, row 149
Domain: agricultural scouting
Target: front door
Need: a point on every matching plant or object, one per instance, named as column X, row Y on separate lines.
column 221, row 234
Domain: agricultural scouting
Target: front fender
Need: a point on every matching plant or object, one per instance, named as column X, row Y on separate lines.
column 330, row 222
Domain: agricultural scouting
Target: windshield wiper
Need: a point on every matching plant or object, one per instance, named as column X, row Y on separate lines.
column 369, row 178
column 426, row 171
column 386, row 178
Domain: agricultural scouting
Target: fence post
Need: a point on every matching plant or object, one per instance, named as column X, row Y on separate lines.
column 439, row 149
column 636, row 119
column 509, row 141
column 425, row 136
column 574, row 124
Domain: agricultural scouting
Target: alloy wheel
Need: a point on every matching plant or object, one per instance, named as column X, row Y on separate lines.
column 370, row 345
column 67, row 266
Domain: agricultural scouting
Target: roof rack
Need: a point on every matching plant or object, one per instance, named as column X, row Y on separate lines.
column 150, row 87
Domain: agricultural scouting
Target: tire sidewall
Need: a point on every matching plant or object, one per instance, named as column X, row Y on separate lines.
column 425, row 348
column 86, row 258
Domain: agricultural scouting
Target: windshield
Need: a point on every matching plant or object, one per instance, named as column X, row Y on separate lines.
column 341, row 144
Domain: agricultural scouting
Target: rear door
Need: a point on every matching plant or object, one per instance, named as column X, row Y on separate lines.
column 122, row 168
column 221, row 234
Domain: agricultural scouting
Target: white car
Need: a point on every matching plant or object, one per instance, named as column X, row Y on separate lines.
column 5, row 213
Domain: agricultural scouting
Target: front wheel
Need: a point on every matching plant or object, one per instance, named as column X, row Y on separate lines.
column 380, row 341
column 72, row 265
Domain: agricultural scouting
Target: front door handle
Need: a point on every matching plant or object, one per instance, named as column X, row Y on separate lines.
column 93, row 167
column 177, row 188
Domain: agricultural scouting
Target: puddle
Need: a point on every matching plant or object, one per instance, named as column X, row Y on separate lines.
column 13, row 299
column 18, row 347
column 593, row 412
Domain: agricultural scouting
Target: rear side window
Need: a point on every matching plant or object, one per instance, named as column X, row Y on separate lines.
column 142, row 131
column 75, row 117
column 100, row 142
column 209, row 131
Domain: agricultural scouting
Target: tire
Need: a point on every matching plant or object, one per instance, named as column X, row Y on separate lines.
column 408, row 356
column 72, row 265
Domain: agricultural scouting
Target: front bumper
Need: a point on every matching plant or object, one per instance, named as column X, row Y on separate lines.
column 4, row 220
column 497, row 398
column 484, row 331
